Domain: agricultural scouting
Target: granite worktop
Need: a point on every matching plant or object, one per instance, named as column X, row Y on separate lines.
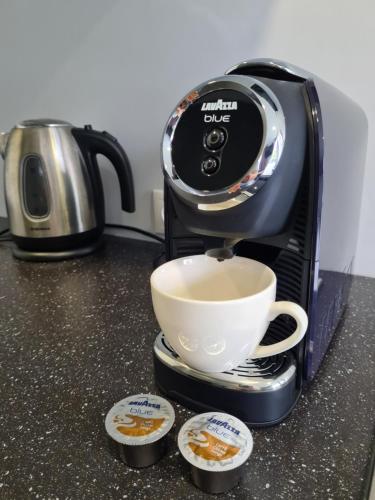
column 76, row 336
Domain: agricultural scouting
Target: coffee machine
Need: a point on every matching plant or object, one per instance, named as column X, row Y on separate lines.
column 268, row 158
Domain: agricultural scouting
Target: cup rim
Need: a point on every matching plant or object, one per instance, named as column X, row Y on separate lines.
column 213, row 302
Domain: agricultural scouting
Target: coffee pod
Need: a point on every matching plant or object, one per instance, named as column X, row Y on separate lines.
column 216, row 445
column 137, row 427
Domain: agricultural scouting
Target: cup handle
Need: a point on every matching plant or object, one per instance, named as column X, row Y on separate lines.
column 294, row 310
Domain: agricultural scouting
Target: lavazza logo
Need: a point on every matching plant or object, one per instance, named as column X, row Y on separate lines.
column 219, row 105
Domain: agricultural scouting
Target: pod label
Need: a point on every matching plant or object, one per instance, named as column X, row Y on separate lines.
column 139, row 419
column 215, row 441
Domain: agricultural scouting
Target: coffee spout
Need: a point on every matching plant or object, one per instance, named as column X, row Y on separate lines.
column 225, row 252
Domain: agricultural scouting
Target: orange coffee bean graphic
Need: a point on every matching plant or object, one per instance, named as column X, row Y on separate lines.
column 211, row 448
column 139, row 426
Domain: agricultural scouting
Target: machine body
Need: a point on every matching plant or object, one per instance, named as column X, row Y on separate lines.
column 283, row 177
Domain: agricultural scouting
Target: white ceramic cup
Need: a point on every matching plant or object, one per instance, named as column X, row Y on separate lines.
column 214, row 314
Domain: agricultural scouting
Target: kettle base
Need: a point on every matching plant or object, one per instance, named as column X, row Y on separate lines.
column 28, row 255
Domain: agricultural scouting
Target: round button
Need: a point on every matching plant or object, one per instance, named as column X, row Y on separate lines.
column 215, row 139
column 210, row 165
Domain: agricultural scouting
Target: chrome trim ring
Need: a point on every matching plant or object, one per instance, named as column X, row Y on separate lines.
column 259, row 171
column 272, row 63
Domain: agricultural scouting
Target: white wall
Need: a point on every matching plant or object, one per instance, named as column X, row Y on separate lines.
column 123, row 64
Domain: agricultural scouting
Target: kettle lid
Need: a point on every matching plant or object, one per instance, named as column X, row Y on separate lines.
column 43, row 122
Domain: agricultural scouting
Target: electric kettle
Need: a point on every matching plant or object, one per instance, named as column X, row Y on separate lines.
column 53, row 189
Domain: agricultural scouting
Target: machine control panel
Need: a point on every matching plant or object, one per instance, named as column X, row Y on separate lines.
column 217, row 140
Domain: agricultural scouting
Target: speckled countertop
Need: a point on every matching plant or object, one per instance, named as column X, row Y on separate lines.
column 76, row 336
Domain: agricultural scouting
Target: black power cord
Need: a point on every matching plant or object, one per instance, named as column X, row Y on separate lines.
column 137, row 230
column 5, row 237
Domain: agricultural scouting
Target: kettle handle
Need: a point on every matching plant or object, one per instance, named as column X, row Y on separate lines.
column 94, row 142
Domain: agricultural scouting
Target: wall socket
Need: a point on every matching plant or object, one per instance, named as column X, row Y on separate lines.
column 158, row 208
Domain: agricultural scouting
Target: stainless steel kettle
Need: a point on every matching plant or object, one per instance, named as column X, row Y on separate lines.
column 53, row 190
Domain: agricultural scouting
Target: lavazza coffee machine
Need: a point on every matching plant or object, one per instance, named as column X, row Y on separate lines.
column 270, row 158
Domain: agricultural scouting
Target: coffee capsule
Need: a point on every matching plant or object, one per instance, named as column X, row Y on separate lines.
column 137, row 427
column 216, row 445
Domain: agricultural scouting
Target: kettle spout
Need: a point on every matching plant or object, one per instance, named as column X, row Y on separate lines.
column 4, row 136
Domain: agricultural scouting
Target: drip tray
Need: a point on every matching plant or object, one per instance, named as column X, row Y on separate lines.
column 264, row 374
column 259, row 391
